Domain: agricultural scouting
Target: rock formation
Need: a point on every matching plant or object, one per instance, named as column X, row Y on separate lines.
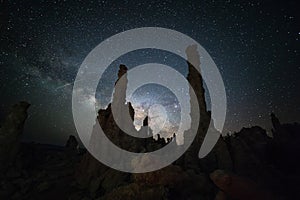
column 219, row 157
column 242, row 165
column 10, row 133
column 244, row 153
column 90, row 167
column 72, row 146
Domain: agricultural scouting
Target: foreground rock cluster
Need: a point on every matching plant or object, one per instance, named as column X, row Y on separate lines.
column 244, row 164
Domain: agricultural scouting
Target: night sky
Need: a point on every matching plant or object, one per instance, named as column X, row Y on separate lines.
column 254, row 44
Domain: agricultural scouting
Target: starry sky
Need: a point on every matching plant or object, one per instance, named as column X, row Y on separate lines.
column 255, row 45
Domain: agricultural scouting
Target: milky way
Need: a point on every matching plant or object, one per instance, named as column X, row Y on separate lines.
column 254, row 44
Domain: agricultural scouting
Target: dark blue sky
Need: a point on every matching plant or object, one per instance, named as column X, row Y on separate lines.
column 254, row 44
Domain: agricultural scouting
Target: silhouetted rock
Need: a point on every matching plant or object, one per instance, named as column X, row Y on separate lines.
column 275, row 121
column 10, row 132
column 72, row 145
column 90, row 168
column 248, row 151
column 190, row 159
column 284, row 149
